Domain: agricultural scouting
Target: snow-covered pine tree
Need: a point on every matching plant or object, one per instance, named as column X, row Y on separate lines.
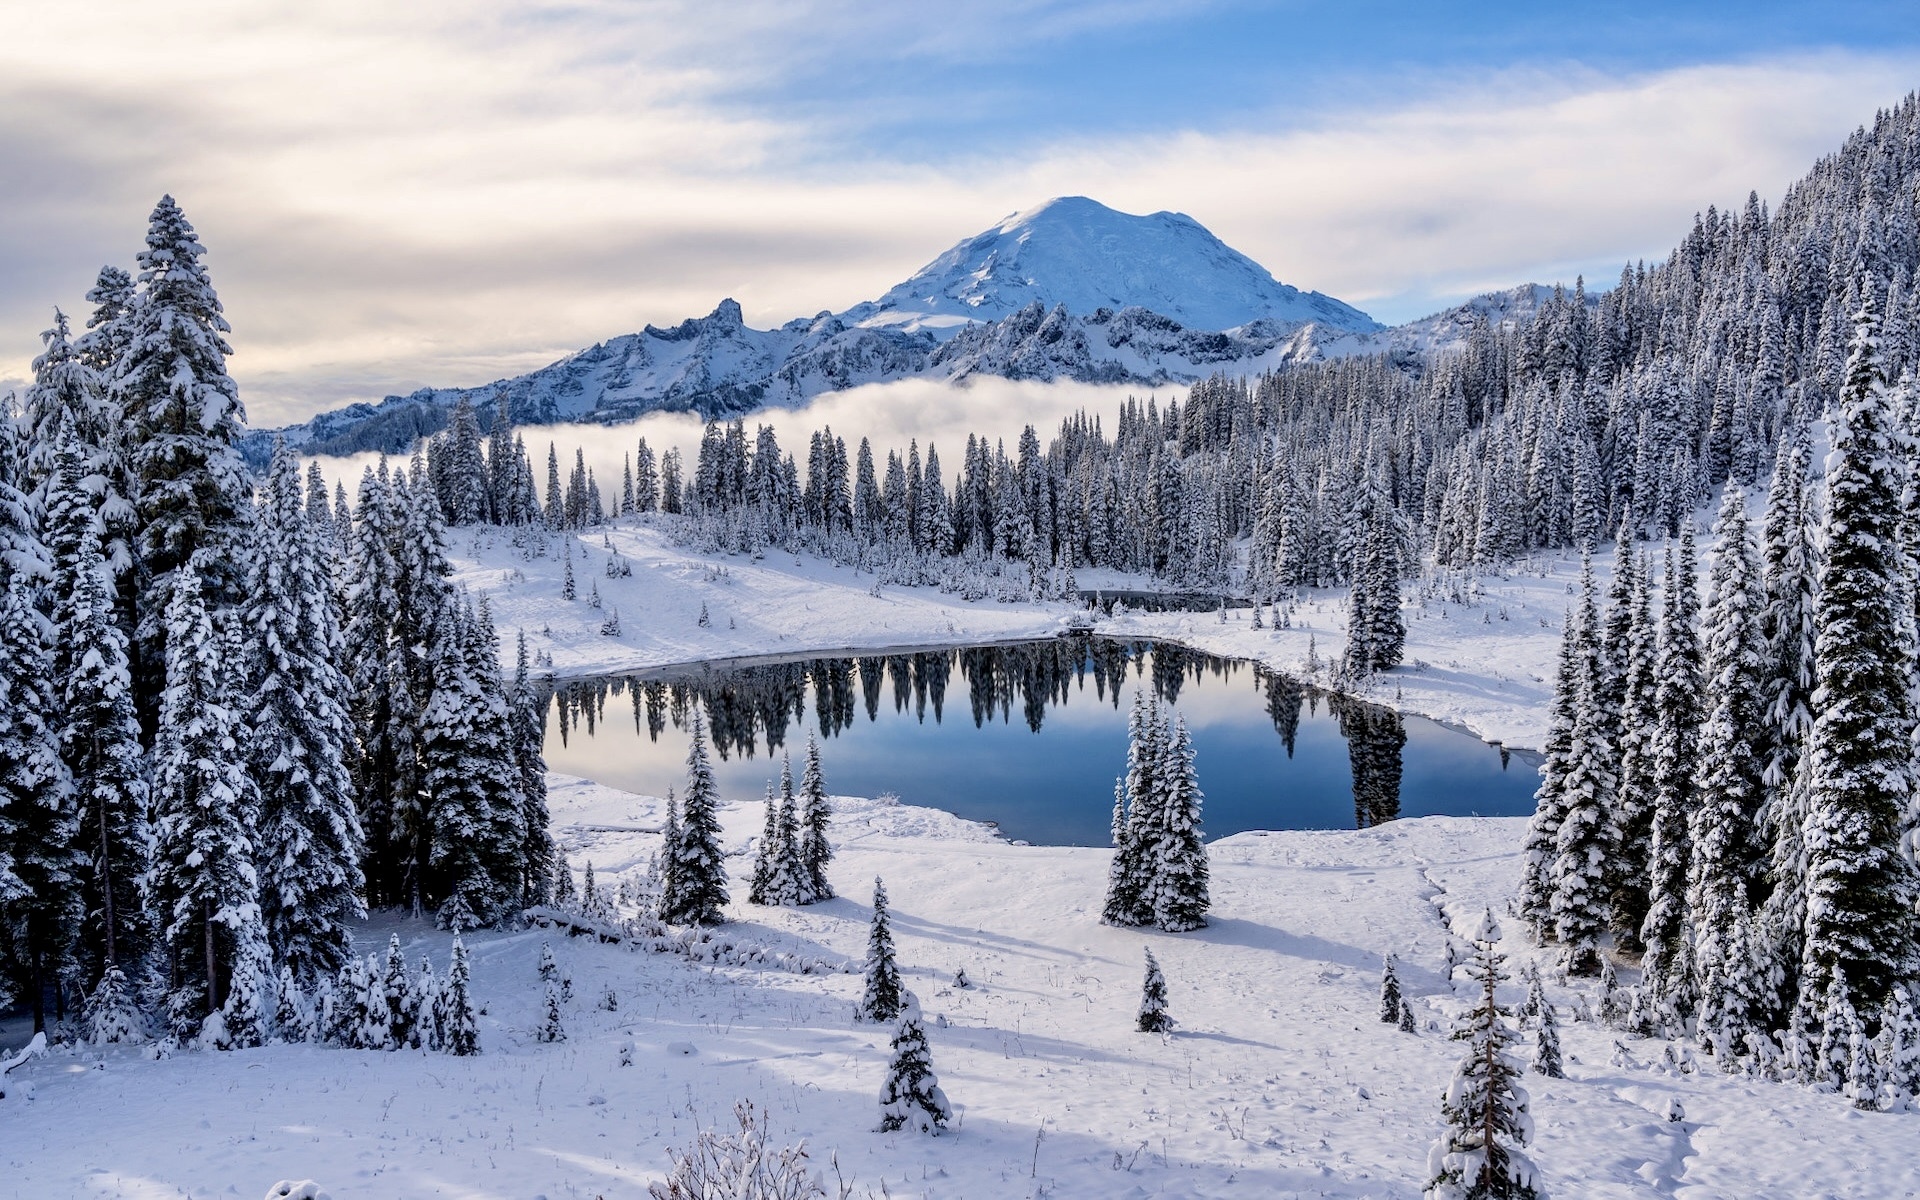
column 113, row 1011
column 202, row 887
column 1791, row 564
column 669, row 857
column 1899, row 1051
column 99, row 735
column 1726, row 868
column 1407, row 1022
column 472, row 779
column 402, row 1006
column 1861, row 887
column 429, row 1009
column 766, row 854
column 184, row 420
column 1667, row 963
column 41, row 865
column 1376, row 634
column 789, row 880
column 1546, row 1044
column 698, row 878
column 289, row 1012
column 70, row 396
column 380, row 703
column 1130, row 875
column 1578, row 900
column 457, row 1021
column 537, row 851
column 911, row 1097
column 308, row 839
column 1632, row 834
column 1535, row 901
column 1481, row 1155
column 1180, row 880
column 880, row 996
column 550, row 1029
column 816, row 814
column 1152, row 1017
column 243, row 1014
column 1389, row 991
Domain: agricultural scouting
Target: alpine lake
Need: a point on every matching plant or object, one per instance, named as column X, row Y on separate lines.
column 1030, row 736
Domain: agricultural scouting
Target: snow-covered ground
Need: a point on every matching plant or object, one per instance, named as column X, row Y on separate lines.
column 1280, row 1080
column 1486, row 665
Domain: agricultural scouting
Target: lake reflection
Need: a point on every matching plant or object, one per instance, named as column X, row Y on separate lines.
column 1031, row 736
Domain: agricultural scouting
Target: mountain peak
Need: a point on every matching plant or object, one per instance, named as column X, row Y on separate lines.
column 1076, row 251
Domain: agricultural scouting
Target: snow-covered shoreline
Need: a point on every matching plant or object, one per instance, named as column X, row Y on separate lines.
column 1485, row 666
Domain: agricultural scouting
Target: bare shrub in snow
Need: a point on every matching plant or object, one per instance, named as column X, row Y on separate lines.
column 740, row 1165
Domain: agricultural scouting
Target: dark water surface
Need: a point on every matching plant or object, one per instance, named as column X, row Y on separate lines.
column 1030, row 736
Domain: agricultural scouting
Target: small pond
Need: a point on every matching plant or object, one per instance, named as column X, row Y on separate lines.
column 1030, row 736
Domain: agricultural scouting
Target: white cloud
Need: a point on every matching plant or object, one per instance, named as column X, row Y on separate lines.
column 398, row 195
column 935, row 414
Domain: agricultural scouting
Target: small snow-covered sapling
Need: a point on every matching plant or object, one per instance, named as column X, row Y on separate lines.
column 1153, row 1016
column 1389, row 991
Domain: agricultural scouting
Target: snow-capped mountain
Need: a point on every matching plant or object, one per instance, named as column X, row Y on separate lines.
column 1069, row 289
column 1079, row 253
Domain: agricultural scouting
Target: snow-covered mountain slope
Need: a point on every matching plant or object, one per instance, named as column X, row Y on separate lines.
column 1079, row 253
column 1069, row 289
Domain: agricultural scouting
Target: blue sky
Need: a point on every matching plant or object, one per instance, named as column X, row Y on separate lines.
column 1142, row 68
column 450, row 191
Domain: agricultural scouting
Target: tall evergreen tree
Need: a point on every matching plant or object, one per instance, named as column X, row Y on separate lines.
column 698, row 875
column 1726, row 867
column 308, row 841
column 1791, row 565
column 99, row 736
column 184, row 419
column 41, row 866
column 1667, row 963
column 203, row 889
column 1578, row 900
column 1180, row 886
column 1130, row 875
column 381, row 703
column 1861, row 891
column 1632, row 835
column 529, row 730
column 468, row 765
column 1541, row 848
column 816, row 814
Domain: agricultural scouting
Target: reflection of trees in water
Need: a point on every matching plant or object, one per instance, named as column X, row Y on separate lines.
column 1376, row 738
column 1285, row 695
column 755, row 708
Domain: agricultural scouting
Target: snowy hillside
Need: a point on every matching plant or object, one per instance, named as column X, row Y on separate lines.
column 1278, row 1079
column 1068, row 290
column 1080, row 253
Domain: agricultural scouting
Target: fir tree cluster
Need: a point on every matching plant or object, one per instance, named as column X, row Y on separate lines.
column 1159, row 871
column 790, row 862
column 233, row 712
column 1729, row 782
